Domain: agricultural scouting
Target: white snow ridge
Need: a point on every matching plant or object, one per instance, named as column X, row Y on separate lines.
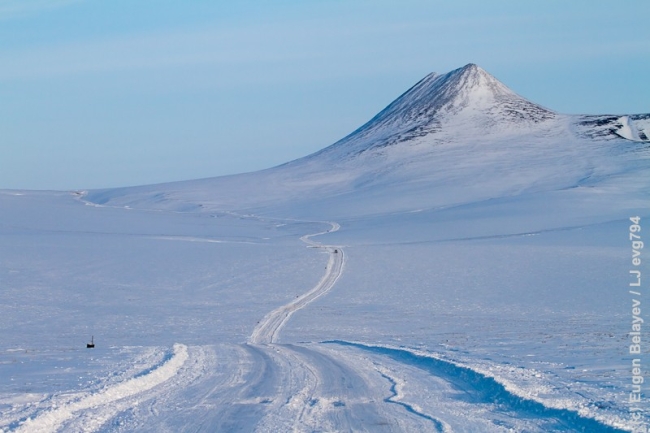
column 51, row 420
column 459, row 263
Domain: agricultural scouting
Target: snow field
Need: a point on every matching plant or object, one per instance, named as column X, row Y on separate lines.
column 482, row 284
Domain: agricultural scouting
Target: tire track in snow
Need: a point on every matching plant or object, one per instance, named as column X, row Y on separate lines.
column 340, row 397
column 52, row 420
column 268, row 330
column 302, row 378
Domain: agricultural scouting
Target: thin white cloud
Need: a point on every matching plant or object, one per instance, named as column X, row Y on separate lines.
column 223, row 47
column 311, row 41
column 17, row 8
column 311, row 44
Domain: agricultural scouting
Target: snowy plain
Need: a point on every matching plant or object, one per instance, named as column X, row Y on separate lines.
column 460, row 263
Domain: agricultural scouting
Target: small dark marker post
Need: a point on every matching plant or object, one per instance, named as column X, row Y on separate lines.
column 91, row 344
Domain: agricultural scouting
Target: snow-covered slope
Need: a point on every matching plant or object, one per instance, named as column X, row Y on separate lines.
column 451, row 139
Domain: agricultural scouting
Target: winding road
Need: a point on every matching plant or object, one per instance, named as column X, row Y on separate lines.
column 268, row 330
column 266, row 386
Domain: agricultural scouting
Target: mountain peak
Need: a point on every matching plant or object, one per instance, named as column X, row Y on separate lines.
column 471, row 72
column 471, row 86
column 465, row 99
column 471, row 68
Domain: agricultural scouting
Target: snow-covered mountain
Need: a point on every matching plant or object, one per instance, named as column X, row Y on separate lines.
column 451, row 139
column 468, row 103
column 464, row 100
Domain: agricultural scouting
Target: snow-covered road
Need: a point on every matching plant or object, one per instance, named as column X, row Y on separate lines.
column 273, row 382
column 268, row 330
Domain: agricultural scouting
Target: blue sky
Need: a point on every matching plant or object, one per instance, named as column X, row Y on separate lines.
column 114, row 93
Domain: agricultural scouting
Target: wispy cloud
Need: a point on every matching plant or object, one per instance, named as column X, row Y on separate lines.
column 19, row 8
column 259, row 45
column 143, row 51
column 313, row 45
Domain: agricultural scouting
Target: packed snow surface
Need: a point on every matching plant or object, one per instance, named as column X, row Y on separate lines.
column 460, row 263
